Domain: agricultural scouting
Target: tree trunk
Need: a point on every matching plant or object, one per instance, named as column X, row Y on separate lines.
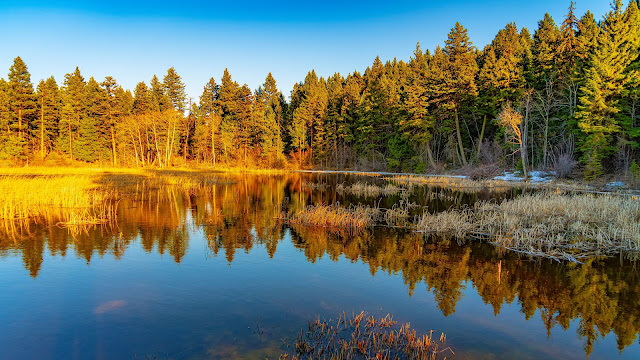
column 113, row 147
column 432, row 163
column 481, row 138
column 460, row 145
column 42, row 127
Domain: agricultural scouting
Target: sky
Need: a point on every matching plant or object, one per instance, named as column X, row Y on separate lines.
column 133, row 40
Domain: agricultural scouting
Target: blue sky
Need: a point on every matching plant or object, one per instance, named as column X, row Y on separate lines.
column 132, row 40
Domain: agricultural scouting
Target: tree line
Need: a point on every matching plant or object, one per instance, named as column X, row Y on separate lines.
column 565, row 96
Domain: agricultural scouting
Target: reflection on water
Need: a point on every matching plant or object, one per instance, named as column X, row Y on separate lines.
column 219, row 223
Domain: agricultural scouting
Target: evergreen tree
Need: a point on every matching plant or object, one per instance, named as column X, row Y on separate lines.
column 174, row 90
column 604, row 83
column 87, row 143
column 5, row 117
column 22, row 104
column 461, row 73
column 114, row 110
column 72, row 111
column 208, row 125
column 144, row 100
column 49, row 112
column 418, row 124
column 160, row 94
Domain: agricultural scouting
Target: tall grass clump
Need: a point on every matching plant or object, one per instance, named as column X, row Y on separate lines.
column 369, row 190
column 559, row 226
column 363, row 337
column 456, row 182
column 337, row 217
column 69, row 199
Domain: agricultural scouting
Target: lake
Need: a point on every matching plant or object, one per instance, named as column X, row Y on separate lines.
column 215, row 273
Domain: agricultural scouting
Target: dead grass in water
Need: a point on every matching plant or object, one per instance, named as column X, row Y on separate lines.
column 362, row 336
column 456, row 183
column 369, row 190
column 558, row 226
column 337, row 217
column 85, row 196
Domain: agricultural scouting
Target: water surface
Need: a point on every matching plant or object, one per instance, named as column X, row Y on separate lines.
column 212, row 273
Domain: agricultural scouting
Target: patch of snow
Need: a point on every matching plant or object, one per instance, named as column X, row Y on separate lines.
column 535, row 176
column 615, row 184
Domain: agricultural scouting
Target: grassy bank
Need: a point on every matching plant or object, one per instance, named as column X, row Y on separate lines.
column 552, row 225
column 87, row 196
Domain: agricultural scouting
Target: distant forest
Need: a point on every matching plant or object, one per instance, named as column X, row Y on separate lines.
column 564, row 99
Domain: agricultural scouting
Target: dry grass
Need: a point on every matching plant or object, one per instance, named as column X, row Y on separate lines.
column 559, row 226
column 362, row 336
column 337, row 217
column 320, row 186
column 369, row 190
column 456, row 183
column 86, row 196
column 69, row 199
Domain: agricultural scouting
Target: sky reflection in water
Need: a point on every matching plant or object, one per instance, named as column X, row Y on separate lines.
column 197, row 274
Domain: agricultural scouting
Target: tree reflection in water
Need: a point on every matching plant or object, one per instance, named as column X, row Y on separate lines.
column 602, row 295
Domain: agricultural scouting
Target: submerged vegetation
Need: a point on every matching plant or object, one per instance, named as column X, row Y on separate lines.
column 559, row 226
column 362, row 336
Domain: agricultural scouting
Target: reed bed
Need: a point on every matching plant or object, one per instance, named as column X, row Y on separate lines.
column 369, row 190
column 68, row 199
column 86, row 196
column 337, row 217
column 559, row 226
column 361, row 336
column 455, row 182
column 320, row 186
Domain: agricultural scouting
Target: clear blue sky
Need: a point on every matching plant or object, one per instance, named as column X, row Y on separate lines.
column 132, row 40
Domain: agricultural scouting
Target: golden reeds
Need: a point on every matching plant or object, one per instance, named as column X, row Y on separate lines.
column 455, row 182
column 361, row 336
column 369, row 190
column 553, row 225
column 85, row 196
column 336, row 216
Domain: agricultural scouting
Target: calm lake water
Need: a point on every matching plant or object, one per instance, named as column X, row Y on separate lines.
column 213, row 274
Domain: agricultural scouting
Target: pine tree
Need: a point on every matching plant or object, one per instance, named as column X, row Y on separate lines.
column 462, row 72
column 208, row 121
column 174, row 90
column 335, row 119
column 546, row 41
column 72, row 111
column 418, row 124
column 160, row 95
column 244, row 119
column 49, row 112
column 604, row 83
column 144, row 100
column 5, row 117
column 114, row 110
column 630, row 114
column 22, row 104
column 87, row 144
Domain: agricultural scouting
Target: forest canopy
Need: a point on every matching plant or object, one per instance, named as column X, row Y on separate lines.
column 562, row 98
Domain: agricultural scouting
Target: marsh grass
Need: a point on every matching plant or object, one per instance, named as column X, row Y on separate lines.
column 364, row 189
column 355, row 217
column 456, row 183
column 85, row 196
column 320, row 186
column 362, row 336
column 558, row 226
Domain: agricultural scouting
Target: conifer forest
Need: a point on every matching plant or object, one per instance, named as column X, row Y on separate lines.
column 563, row 97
